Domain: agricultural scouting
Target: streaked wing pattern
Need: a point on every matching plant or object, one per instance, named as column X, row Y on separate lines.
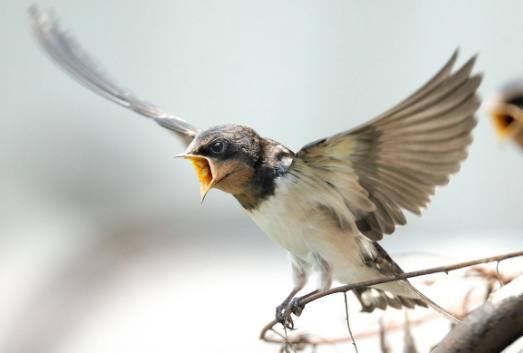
column 401, row 156
column 71, row 57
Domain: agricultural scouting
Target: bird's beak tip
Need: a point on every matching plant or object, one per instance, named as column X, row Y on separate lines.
column 203, row 194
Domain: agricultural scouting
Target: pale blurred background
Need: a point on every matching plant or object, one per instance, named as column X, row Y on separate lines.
column 104, row 246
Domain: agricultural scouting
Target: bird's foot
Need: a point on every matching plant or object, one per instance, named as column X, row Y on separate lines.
column 283, row 316
column 295, row 307
column 285, row 310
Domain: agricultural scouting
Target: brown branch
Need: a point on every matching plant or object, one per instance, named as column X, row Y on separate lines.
column 490, row 328
column 304, row 339
column 411, row 274
column 409, row 344
column 301, row 339
column 384, row 345
column 348, row 323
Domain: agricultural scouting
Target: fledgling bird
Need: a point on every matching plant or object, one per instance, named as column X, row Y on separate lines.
column 331, row 202
column 506, row 110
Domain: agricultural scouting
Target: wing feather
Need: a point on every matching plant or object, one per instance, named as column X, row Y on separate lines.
column 400, row 157
column 71, row 57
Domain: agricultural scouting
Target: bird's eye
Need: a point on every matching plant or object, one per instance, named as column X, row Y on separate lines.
column 217, row 147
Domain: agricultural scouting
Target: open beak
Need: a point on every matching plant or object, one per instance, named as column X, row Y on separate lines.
column 204, row 170
column 508, row 119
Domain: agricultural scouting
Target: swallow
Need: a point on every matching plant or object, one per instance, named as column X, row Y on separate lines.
column 330, row 203
column 506, row 111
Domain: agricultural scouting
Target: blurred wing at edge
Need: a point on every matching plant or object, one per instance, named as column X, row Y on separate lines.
column 70, row 56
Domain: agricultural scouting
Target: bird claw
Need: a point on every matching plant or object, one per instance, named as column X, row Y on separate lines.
column 295, row 307
column 283, row 316
column 284, row 312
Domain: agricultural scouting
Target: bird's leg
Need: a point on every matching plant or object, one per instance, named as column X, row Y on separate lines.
column 280, row 309
column 325, row 281
column 299, row 277
column 295, row 307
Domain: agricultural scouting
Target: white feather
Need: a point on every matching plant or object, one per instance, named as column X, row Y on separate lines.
column 291, row 218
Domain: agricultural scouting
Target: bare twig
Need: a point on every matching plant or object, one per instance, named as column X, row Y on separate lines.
column 305, row 339
column 409, row 344
column 384, row 345
column 348, row 322
column 389, row 327
column 406, row 275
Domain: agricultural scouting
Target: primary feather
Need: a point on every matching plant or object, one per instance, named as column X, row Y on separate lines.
column 399, row 158
column 71, row 57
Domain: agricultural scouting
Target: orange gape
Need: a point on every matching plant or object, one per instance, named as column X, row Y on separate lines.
column 508, row 121
column 502, row 123
column 204, row 173
column 203, row 170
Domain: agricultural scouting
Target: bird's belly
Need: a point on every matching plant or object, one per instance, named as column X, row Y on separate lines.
column 275, row 217
column 298, row 227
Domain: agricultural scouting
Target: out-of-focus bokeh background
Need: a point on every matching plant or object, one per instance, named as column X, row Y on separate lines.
column 104, row 246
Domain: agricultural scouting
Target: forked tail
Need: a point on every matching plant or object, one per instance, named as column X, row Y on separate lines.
column 436, row 307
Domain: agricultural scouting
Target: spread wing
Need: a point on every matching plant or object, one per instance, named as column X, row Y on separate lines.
column 70, row 56
column 394, row 162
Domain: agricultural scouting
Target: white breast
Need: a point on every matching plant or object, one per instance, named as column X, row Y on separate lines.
column 291, row 218
column 281, row 218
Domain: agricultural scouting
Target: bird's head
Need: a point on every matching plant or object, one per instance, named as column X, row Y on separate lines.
column 224, row 158
column 506, row 110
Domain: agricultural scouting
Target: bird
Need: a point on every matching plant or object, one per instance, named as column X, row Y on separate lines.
column 506, row 111
column 329, row 204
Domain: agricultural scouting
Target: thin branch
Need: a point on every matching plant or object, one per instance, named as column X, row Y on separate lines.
column 393, row 326
column 384, row 345
column 406, row 275
column 305, row 339
column 318, row 341
column 409, row 344
column 348, row 322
